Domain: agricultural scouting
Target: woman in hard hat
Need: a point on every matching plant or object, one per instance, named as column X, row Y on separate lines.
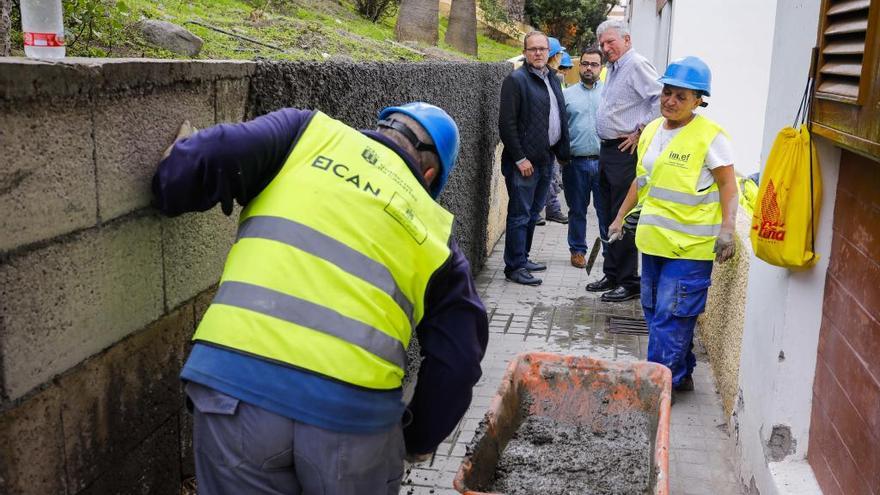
column 686, row 188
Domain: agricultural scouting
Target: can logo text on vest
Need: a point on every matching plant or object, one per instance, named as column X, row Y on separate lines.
column 344, row 172
column 771, row 226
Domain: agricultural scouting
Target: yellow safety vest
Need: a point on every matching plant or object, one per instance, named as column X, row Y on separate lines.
column 677, row 220
column 332, row 260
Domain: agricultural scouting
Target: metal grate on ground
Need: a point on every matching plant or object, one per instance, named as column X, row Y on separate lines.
column 626, row 326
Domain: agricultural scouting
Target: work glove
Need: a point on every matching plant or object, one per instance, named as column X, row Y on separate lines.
column 186, row 130
column 615, row 232
column 725, row 246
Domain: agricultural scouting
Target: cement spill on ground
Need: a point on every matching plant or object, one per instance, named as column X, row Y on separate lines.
column 553, row 458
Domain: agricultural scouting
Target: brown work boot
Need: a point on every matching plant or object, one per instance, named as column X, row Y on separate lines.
column 578, row 260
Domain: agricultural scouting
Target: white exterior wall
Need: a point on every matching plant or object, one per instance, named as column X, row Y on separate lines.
column 784, row 308
column 734, row 38
column 650, row 32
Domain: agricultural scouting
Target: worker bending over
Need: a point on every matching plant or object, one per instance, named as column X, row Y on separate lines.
column 686, row 188
column 342, row 251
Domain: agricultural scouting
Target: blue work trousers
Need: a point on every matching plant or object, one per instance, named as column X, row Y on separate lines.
column 526, row 197
column 241, row 448
column 580, row 179
column 673, row 295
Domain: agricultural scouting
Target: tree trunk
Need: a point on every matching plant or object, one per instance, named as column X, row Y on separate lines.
column 417, row 20
column 462, row 32
column 5, row 27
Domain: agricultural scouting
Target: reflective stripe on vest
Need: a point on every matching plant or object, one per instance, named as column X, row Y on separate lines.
column 310, row 315
column 332, row 260
column 320, row 245
column 677, row 221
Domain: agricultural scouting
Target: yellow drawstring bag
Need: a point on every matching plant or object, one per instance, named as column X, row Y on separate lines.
column 787, row 208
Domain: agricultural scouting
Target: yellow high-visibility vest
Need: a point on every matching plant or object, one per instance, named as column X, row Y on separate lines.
column 677, row 220
column 332, row 260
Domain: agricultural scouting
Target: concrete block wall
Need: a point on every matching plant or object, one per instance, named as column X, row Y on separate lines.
column 720, row 327
column 99, row 295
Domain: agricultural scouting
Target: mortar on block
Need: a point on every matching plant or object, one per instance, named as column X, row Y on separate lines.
column 572, row 424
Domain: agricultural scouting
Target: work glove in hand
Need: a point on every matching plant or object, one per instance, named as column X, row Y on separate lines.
column 615, row 232
column 186, row 130
column 725, row 246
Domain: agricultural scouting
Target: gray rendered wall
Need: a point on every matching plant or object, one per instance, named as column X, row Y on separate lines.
column 99, row 295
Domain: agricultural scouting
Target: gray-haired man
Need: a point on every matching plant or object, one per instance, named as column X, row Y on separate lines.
column 630, row 100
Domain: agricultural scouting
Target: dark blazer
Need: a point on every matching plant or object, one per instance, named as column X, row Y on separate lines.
column 524, row 116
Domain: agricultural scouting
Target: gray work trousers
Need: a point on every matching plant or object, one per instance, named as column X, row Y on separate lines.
column 241, row 448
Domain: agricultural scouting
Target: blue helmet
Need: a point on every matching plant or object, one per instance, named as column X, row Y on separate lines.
column 443, row 131
column 555, row 46
column 565, row 63
column 688, row 72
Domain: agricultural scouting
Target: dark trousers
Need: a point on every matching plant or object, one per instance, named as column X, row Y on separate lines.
column 527, row 196
column 617, row 170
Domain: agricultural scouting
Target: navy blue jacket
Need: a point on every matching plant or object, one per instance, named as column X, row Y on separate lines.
column 524, row 117
column 234, row 162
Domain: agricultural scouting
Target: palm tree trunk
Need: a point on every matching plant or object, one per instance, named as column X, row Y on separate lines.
column 5, row 26
column 417, row 20
column 462, row 32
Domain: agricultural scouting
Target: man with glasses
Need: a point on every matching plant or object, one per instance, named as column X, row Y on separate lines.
column 581, row 177
column 534, row 129
column 630, row 100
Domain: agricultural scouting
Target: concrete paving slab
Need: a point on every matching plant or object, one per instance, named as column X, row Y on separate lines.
column 560, row 316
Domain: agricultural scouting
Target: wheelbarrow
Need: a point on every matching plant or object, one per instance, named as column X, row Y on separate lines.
column 581, row 395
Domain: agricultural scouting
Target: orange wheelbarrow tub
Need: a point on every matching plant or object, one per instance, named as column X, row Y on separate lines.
column 573, row 390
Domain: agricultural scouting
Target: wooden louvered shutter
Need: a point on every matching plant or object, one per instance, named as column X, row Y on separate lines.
column 847, row 90
column 843, row 49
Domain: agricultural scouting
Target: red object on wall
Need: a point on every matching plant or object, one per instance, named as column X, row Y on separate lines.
column 845, row 423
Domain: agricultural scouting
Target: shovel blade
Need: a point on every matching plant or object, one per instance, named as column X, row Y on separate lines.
column 593, row 254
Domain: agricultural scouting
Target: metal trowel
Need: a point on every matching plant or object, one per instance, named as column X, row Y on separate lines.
column 593, row 254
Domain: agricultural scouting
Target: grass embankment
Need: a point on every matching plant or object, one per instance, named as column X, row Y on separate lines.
column 300, row 29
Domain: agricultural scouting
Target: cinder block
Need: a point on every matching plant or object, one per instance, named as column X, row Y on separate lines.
column 131, row 133
column 195, row 246
column 31, row 446
column 47, row 171
column 114, row 401
column 152, row 467
column 232, row 96
column 66, row 301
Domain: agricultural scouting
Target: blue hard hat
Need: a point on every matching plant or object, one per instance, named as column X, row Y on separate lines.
column 688, row 72
column 565, row 63
column 555, row 46
column 443, row 131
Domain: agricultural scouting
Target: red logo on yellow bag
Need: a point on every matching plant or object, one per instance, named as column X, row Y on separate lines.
column 771, row 227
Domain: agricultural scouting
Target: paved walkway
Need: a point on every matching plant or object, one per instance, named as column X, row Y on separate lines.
column 560, row 316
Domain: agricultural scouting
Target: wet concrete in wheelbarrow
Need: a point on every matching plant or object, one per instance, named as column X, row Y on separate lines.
column 559, row 316
column 557, row 458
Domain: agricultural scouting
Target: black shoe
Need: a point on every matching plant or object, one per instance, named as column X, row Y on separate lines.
column 601, row 286
column 686, row 385
column 619, row 294
column 522, row 276
column 541, row 221
column 535, row 267
column 557, row 217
